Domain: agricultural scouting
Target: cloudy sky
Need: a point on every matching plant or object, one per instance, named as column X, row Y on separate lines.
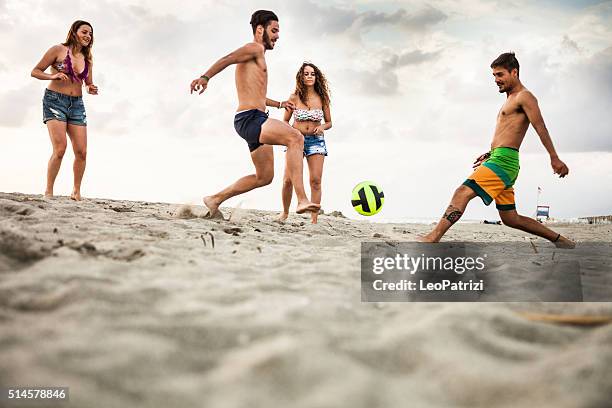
column 413, row 98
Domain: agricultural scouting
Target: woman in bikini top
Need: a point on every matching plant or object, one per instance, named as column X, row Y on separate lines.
column 64, row 114
column 65, row 67
column 308, row 115
column 311, row 100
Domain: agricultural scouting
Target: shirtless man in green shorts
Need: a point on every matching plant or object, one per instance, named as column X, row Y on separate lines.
column 251, row 120
column 496, row 171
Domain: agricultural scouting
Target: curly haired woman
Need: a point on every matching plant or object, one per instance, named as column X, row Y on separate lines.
column 311, row 100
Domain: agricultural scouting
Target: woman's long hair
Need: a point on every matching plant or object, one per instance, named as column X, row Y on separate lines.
column 72, row 41
column 320, row 85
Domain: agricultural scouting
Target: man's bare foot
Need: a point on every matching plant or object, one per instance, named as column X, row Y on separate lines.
column 282, row 217
column 565, row 243
column 427, row 238
column 212, row 206
column 76, row 196
column 49, row 194
column 307, row 206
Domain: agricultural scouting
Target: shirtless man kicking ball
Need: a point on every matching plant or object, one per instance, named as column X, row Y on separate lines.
column 496, row 171
column 251, row 121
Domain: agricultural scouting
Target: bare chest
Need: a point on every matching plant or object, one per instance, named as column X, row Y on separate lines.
column 253, row 72
column 510, row 111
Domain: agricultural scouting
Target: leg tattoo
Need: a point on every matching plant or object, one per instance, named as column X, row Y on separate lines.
column 452, row 214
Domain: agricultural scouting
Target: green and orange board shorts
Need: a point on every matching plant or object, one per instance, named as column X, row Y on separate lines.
column 494, row 178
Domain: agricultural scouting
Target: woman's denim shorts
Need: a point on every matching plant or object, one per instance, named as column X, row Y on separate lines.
column 65, row 108
column 314, row 144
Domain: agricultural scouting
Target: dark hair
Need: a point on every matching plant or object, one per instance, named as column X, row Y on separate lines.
column 321, row 87
column 506, row 60
column 71, row 38
column 263, row 18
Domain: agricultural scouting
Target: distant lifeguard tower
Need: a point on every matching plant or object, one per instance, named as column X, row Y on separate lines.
column 543, row 212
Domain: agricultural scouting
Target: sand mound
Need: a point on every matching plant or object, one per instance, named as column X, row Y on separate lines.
column 135, row 304
column 19, row 250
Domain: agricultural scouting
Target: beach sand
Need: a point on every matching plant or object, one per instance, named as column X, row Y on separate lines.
column 130, row 304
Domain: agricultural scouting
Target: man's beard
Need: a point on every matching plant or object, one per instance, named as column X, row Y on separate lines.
column 267, row 43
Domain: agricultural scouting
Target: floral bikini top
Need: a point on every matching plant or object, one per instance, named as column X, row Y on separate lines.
column 65, row 66
column 312, row 115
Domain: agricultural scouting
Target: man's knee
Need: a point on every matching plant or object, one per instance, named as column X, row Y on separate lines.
column 464, row 193
column 510, row 219
column 296, row 139
column 265, row 178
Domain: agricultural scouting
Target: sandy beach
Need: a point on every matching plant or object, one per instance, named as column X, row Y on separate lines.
column 140, row 304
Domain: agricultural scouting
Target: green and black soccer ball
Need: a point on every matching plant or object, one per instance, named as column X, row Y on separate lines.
column 368, row 198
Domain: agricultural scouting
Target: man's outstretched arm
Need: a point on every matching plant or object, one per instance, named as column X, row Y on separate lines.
column 529, row 103
column 242, row 54
column 279, row 105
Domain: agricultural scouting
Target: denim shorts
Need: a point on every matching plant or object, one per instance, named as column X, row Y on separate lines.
column 65, row 108
column 314, row 144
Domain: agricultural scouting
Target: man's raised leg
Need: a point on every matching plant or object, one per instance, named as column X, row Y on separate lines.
column 455, row 210
column 514, row 220
column 275, row 132
column 263, row 159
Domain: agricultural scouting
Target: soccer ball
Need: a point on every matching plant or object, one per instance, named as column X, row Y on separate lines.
column 368, row 198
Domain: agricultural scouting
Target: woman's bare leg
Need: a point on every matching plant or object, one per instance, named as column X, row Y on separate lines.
column 315, row 169
column 78, row 138
column 57, row 134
